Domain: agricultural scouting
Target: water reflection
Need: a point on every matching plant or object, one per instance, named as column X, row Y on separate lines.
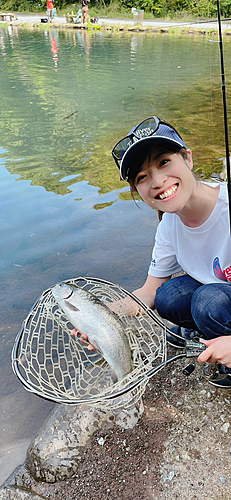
column 3, row 46
column 134, row 48
column 86, row 46
column 54, row 41
column 102, row 85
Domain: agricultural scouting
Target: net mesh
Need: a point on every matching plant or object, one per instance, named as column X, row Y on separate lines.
column 53, row 364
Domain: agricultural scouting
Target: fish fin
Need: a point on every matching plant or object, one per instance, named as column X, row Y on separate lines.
column 114, row 377
column 71, row 306
column 96, row 346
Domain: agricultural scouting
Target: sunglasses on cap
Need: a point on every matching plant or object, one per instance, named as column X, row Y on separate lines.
column 146, row 128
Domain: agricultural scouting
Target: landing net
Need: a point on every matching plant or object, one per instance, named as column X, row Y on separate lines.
column 54, row 365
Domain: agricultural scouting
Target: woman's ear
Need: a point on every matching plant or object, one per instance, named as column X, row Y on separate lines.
column 189, row 159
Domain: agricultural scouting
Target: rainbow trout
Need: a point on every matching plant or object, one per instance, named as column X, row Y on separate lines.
column 102, row 326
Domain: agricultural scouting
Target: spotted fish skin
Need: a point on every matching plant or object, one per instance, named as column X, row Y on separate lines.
column 103, row 327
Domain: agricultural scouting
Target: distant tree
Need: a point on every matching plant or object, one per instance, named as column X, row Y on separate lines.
column 30, row 5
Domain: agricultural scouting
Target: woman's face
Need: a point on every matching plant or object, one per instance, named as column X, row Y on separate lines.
column 165, row 181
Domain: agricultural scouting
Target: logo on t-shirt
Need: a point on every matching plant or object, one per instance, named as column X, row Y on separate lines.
column 224, row 275
column 153, row 262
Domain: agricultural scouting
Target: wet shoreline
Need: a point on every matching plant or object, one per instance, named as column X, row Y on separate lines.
column 128, row 25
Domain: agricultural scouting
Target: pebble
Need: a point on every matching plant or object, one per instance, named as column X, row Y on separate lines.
column 193, row 487
column 101, row 441
column 225, row 427
column 169, row 477
column 223, row 479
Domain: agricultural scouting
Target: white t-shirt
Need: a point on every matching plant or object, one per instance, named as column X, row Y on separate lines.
column 203, row 252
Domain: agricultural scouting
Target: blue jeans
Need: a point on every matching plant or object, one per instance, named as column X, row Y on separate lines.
column 190, row 304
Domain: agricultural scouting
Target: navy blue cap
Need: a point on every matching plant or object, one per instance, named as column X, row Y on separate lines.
column 165, row 136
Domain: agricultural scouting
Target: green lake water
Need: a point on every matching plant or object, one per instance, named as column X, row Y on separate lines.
column 66, row 98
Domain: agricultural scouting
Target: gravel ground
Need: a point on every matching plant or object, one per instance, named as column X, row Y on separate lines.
column 180, row 448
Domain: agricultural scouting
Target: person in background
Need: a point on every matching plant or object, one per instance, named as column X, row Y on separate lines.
column 50, row 10
column 85, row 10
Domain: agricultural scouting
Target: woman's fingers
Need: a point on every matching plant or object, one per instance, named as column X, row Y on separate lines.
column 206, row 356
column 83, row 338
column 218, row 350
column 126, row 306
column 75, row 333
column 91, row 347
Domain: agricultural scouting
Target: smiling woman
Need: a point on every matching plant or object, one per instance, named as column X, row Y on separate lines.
column 192, row 237
column 165, row 183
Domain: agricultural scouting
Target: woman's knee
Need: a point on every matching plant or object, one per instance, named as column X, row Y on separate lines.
column 211, row 305
column 175, row 295
column 165, row 298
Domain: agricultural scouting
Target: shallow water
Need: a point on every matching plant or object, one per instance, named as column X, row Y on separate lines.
column 66, row 98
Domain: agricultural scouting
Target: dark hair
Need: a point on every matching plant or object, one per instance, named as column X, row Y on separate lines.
column 133, row 172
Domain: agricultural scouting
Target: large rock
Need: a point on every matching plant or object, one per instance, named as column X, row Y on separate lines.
column 55, row 453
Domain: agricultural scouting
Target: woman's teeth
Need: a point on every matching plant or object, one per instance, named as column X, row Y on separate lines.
column 168, row 193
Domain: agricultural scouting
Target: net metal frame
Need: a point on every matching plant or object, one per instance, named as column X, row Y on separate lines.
column 54, row 365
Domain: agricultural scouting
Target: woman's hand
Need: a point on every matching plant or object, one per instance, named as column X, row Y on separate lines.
column 83, row 338
column 218, row 350
column 126, row 306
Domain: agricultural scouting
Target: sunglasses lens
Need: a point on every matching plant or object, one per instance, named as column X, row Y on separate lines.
column 146, row 128
column 122, row 147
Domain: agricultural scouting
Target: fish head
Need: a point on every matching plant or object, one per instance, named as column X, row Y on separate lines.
column 62, row 291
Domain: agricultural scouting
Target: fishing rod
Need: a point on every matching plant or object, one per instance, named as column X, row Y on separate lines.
column 225, row 109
